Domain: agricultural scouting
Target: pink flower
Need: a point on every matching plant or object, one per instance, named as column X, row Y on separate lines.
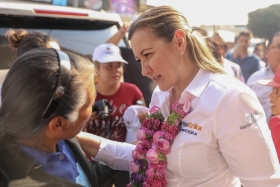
column 161, row 169
column 150, row 172
column 156, row 136
column 136, row 155
column 154, row 109
column 178, row 108
column 146, row 184
column 164, row 125
column 156, row 124
column 141, row 135
column 147, row 123
column 149, row 133
column 155, row 182
column 163, row 145
column 143, row 146
column 159, row 183
column 151, row 124
column 153, row 156
column 148, row 167
column 162, row 164
column 156, row 170
column 167, row 135
column 134, row 167
column 172, row 129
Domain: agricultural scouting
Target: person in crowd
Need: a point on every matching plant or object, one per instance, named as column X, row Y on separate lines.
column 21, row 40
column 214, row 147
column 132, row 73
column 273, row 60
column 47, row 98
column 229, row 66
column 248, row 62
column 274, row 96
column 109, row 70
column 259, row 50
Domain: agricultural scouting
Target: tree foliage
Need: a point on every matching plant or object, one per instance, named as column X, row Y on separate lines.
column 265, row 22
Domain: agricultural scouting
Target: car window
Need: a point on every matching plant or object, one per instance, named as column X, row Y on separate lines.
column 79, row 41
column 76, row 30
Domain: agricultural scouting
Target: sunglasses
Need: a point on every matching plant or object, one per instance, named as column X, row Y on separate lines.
column 61, row 83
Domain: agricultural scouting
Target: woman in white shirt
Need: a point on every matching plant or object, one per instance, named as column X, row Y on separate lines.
column 224, row 140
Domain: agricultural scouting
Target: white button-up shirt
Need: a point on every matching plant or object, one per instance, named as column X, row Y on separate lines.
column 261, row 91
column 224, row 140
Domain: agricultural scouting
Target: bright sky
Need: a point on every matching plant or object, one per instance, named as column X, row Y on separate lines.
column 218, row 12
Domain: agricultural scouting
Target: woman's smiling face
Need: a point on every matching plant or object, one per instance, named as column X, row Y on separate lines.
column 159, row 59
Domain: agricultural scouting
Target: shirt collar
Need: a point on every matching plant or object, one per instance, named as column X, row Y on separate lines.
column 199, row 83
column 195, row 88
column 41, row 156
column 61, row 163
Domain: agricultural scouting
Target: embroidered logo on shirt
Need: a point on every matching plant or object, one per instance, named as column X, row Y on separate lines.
column 252, row 119
column 192, row 128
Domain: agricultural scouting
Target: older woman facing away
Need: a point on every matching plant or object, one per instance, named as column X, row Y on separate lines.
column 47, row 99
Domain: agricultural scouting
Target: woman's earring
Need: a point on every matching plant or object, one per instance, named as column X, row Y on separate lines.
column 182, row 52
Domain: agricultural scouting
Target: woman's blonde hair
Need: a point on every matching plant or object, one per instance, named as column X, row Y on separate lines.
column 163, row 21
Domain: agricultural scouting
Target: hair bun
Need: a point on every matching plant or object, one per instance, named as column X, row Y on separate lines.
column 14, row 37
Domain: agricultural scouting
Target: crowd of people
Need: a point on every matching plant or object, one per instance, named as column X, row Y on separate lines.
column 52, row 133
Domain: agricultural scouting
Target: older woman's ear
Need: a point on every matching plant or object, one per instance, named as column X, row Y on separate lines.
column 57, row 128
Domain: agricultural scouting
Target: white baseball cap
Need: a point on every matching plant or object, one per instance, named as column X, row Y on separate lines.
column 132, row 122
column 108, row 52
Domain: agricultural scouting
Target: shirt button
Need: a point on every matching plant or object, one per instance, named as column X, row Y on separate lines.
column 61, row 157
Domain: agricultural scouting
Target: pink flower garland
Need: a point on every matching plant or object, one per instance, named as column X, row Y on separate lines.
column 155, row 138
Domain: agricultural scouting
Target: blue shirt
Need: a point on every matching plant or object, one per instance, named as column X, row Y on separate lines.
column 61, row 164
column 248, row 65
